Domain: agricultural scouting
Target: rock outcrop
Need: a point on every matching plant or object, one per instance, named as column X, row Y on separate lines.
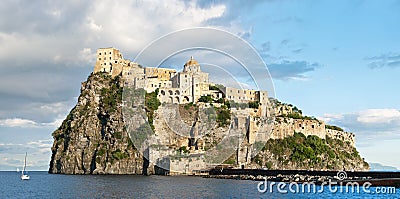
column 95, row 139
column 92, row 139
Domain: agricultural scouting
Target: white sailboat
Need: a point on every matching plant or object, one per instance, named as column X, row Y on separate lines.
column 23, row 175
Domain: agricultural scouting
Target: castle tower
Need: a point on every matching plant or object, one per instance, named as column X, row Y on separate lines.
column 191, row 66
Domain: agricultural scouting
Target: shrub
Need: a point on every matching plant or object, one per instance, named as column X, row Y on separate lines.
column 117, row 154
column 205, row 98
column 223, row 116
column 254, row 104
column 333, row 127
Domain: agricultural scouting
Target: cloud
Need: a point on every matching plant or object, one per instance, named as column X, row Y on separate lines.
column 391, row 60
column 286, row 70
column 379, row 116
column 17, row 122
column 25, row 123
column 12, row 155
column 370, row 124
column 49, row 47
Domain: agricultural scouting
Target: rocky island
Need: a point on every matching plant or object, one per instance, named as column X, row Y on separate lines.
column 131, row 119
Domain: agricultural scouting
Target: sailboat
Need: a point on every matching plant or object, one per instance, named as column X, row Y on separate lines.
column 23, row 175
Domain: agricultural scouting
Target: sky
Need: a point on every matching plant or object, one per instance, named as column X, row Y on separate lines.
column 336, row 60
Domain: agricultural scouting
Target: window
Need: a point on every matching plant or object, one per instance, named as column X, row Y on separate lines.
column 110, row 58
column 99, row 53
column 110, row 53
column 116, row 62
column 99, row 58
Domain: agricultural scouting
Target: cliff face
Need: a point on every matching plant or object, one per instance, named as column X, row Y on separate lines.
column 92, row 139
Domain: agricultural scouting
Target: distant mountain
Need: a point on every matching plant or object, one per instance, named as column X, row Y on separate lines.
column 380, row 167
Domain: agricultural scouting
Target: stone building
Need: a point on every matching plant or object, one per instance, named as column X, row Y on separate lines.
column 174, row 87
column 111, row 61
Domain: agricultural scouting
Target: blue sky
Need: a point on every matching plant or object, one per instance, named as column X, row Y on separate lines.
column 336, row 60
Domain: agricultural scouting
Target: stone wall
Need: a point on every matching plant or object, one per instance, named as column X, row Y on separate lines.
column 285, row 127
column 341, row 135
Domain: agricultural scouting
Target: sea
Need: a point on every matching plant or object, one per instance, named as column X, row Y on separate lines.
column 44, row 185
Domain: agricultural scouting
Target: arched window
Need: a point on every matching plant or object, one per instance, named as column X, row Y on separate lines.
column 177, row 99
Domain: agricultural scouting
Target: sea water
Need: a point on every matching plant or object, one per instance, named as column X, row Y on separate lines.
column 44, row 185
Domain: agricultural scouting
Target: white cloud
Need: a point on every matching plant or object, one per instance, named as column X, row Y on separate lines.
column 370, row 124
column 25, row 123
column 17, row 122
column 379, row 116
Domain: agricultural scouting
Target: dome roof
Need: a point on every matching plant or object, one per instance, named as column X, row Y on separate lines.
column 191, row 62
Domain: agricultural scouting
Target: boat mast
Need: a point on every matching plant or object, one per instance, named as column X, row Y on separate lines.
column 23, row 170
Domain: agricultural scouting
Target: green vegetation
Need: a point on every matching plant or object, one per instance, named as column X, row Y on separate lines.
column 223, row 115
column 187, row 106
column 310, row 151
column 183, row 149
column 230, row 160
column 233, row 104
column 118, row 135
column 297, row 115
column 152, row 104
column 220, row 100
column 111, row 96
column 295, row 109
column 268, row 165
column 216, row 87
column 333, row 127
column 206, row 98
column 117, row 154
column 254, row 104
column 101, row 152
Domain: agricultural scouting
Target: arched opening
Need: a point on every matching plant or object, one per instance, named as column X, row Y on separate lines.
column 177, row 92
column 162, row 92
column 170, row 100
column 170, row 92
column 177, row 99
column 185, row 99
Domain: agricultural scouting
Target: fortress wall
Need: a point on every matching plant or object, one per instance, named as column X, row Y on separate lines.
column 341, row 135
column 287, row 126
column 162, row 74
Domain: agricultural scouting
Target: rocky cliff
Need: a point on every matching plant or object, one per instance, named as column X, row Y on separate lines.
column 92, row 139
column 95, row 139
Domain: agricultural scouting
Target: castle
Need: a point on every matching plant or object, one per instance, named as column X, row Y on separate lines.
column 174, row 87
column 189, row 86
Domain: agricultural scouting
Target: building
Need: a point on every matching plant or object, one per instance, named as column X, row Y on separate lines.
column 174, row 87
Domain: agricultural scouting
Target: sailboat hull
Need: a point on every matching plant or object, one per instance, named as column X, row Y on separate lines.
column 25, row 177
